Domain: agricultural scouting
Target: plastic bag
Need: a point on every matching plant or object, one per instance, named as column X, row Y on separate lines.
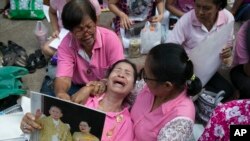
column 26, row 9
column 41, row 33
column 206, row 103
column 10, row 81
column 150, row 36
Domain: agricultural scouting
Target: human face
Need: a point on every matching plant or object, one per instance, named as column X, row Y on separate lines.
column 121, row 79
column 155, row 86
column 55, row 113
column 85, row 32
column 206, row 12
column 84, row 127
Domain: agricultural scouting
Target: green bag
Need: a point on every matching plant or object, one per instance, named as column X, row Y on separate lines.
column 26, row 9
column 10, row 81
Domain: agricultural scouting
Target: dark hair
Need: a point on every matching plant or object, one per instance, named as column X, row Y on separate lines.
column 169, row 62
column 75, row 10
column 221, row 3
column 125, row 61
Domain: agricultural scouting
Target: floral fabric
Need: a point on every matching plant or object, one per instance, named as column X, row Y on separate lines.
column 178, row 129
column 232, row 113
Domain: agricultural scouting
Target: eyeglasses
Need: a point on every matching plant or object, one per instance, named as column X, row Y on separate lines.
column 143, row 75
column 89, row 28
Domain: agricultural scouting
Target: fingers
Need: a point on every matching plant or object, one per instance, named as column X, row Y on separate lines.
column 226, row 53
column 28, row 123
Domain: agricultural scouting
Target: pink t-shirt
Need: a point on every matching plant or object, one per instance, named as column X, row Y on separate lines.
column 117, row 124
column 71, row 63
column 240, row 54
column 147, row 124
column 189, row 32
column 184, row 5
column 59, row 4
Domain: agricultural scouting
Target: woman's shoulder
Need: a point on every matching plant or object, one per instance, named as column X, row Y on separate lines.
column 228, row 15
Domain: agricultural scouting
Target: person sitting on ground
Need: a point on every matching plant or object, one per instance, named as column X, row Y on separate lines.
column 224, row 115
column 84, row 134
column 86, row 52
column 127, row 13
column 207, row 18
column 240, row 73
column 51, row 127
column 120, row 82
column 241, row 10
column 163, row 106
column 55, row 11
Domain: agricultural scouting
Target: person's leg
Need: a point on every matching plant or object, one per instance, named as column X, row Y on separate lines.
column 241, row 81
column 218, row 83
column 48, row 83
column 74, row 88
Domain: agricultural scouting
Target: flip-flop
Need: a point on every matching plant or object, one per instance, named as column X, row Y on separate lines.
column 20, row 51
column 31, row 63
column 40, row 59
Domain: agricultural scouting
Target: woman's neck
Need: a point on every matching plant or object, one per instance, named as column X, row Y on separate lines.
column 209, row 25
column 111, row 103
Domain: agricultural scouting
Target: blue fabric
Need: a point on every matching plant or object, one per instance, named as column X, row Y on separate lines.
column 47, row 87
column 243, row 13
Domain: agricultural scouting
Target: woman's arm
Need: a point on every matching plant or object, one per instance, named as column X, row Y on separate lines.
column 62, row 85
column 124, row 20
column 179, row 129
column 54, row 22
column 170, row 6
column 160, row 9
column 83, row 94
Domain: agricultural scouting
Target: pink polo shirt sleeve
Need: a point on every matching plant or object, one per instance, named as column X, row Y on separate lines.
column 240, row 54
column 106, row 51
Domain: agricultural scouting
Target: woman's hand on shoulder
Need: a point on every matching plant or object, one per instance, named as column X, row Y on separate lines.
column 28, row 123
column 98, row 87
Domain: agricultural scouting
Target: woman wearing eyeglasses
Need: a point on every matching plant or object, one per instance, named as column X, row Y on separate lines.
column 86, row 52
column 163, row 109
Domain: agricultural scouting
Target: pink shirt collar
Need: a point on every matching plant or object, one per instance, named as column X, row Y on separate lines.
column 221, row 19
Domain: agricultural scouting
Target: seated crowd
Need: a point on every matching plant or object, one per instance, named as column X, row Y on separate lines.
column 91, row 61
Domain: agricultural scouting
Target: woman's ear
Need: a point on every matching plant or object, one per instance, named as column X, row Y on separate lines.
column 168, row 85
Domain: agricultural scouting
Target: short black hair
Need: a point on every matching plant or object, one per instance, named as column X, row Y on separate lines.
column 221, row 3
column 75, row 10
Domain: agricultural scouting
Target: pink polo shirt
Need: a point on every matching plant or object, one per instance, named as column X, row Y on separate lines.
column 148, row 124
column 71, row 63
column 240, row 54
column 119, row 124
column 189, row 32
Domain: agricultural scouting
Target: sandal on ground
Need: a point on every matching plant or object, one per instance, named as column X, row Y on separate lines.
column 40, row 59
column 31, row 63
column 20, row 51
